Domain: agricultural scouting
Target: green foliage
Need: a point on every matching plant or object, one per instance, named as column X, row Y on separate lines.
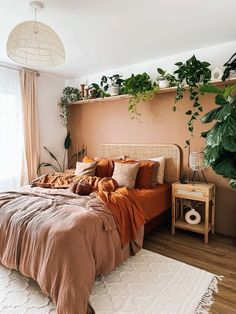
column 115, row 81
column 220, row 151
column 61, row 167
column 193, row 73
column 230, row 66
column 166, row 76
column 69, row 95
column 141, row 88
column 96, row 91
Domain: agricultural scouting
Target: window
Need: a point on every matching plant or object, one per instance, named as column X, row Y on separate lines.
column 11, row 129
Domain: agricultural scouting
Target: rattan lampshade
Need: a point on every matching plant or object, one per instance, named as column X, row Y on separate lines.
column 197, row 161
column 35, row 44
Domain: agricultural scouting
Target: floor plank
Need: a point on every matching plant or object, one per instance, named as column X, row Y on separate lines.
column 218, row 257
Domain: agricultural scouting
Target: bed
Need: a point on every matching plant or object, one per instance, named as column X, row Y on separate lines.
column 155, row 201
column 64, row 241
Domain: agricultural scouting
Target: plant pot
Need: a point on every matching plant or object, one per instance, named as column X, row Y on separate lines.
column 163, row 83
column 114, row 90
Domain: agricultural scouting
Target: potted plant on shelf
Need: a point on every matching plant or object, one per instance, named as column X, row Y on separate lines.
column 141, row 88
column 194, row 73
column 69, row 95
column 165, row 80
column 114, row 85
column 96, row 91
column 220, row 150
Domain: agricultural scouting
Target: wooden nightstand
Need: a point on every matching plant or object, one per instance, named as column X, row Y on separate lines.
column 203, row 192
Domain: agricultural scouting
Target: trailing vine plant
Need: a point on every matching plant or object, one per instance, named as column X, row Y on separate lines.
column 193, row 73
column 141, row 88
column 69, row 95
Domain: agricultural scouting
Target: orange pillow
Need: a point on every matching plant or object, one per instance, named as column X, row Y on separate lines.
column 146, row 177
column 104, row 168
column 87, row 159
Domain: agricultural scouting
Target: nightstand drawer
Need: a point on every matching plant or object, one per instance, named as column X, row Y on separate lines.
column 189, row 193
column 195, row 190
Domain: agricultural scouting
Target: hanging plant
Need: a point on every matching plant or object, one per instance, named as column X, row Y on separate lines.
column 141, row 88
column 69, row 95
column 193, row 73
column 220, row 151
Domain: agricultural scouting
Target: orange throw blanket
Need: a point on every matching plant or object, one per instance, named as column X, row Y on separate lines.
column 128, row 214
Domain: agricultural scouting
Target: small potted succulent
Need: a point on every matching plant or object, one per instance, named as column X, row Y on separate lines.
column 114, row 85
column 165, row 80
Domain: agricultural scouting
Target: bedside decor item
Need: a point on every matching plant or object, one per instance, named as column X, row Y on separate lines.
column 197, row 164
column 192, row 217
column 220, row 150
column 203, row 193
column 35, row 44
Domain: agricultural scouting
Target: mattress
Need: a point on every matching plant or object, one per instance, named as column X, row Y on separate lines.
column 154, row 201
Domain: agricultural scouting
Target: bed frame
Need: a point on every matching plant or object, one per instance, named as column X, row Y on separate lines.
column 145, row 151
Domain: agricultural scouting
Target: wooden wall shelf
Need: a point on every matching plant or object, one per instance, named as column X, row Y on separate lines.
column 160, row 91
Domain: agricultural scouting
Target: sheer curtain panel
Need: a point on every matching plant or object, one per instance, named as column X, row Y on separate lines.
column 11, row 130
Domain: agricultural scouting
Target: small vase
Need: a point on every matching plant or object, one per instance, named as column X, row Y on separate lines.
column 192, row 217
column 114, row 90
column 163, row 83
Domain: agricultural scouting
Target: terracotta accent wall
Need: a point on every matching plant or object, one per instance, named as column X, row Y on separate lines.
column 109, row 122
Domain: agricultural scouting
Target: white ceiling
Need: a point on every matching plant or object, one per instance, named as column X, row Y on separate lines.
column 106, row 34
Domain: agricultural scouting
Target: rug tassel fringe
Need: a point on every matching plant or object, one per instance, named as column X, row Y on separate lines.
column 208, row 299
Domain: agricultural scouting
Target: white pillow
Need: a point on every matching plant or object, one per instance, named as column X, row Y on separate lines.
column 125, row 174
column 85, row 168
column 161, row 168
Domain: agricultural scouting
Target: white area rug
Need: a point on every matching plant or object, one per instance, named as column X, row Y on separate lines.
column 147, row 283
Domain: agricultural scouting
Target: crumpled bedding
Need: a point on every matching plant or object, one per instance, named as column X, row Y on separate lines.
column 61, row 240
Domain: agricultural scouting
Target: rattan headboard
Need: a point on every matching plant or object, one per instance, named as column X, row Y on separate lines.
column 145, row 151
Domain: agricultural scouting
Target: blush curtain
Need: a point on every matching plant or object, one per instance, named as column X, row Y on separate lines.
column 28, row 82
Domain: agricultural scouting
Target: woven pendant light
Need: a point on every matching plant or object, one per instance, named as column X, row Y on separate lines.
column 32, row 43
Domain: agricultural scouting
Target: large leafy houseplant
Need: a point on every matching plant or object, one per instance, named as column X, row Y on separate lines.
column 193, row 72
column 220, row 151
column 69, row 95
column 141, row 88
column 61, row 167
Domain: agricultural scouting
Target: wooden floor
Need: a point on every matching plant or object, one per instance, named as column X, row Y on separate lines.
column 218, row 257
